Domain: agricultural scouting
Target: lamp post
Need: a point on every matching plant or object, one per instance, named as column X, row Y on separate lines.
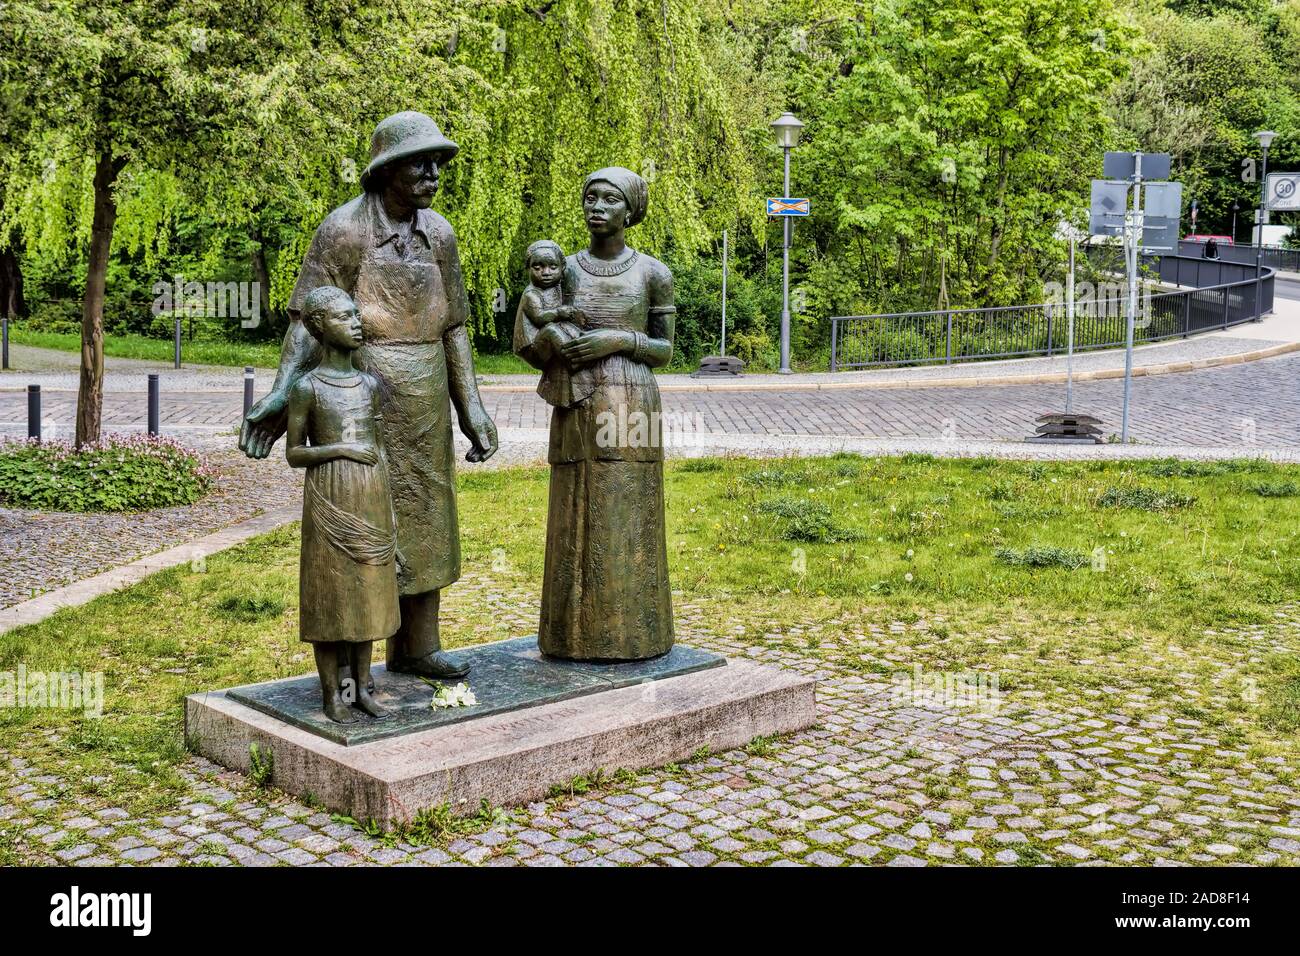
column 787, row 129
column 1265, row 138
column 1236, row 208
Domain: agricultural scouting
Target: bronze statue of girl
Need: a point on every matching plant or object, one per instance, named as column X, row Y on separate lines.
column 606, row 595
column 347, row 581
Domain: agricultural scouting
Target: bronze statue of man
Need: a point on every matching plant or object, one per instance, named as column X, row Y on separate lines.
column 397, row 259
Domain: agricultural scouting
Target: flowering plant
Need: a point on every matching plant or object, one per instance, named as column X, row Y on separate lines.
column 118, row 473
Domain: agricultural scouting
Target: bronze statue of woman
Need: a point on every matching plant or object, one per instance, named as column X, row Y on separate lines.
column 605, row 595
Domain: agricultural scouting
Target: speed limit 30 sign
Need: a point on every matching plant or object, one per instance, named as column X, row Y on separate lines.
column 1283, row 192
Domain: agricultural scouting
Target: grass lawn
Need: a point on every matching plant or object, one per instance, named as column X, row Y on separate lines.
column 1060, row 578
column 238, row 354
column 259, row 355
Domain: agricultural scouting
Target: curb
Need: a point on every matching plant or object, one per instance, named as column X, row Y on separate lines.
column 87, row 589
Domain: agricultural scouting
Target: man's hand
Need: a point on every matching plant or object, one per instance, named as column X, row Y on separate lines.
column 265, row 423
column 481, row 432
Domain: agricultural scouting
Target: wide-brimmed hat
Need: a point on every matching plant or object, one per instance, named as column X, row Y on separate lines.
column 406, row 134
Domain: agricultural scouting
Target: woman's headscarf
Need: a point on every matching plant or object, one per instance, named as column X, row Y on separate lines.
column 633, row 187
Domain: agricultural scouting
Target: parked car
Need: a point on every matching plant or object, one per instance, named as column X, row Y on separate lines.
column 1204, row 237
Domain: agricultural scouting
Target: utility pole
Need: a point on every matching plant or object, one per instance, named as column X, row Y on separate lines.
column 1069, row 342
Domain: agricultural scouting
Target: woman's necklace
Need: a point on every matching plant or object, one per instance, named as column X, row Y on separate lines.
column 605, row 267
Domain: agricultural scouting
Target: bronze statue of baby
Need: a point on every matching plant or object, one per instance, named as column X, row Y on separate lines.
column 543, row 304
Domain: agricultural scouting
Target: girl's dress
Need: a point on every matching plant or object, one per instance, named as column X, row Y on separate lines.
column 347, row 583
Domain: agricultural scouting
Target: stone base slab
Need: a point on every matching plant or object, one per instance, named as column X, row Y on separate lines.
column 513, row 757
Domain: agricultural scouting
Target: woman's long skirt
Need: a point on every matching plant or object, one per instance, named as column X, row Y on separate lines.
column 606, row 594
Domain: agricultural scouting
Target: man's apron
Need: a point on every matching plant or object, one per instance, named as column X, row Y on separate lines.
column 404, row 313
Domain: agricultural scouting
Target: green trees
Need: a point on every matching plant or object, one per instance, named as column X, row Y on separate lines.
column 1207, row 78
column 945, row 144
column 100, row 88
column 141, row 139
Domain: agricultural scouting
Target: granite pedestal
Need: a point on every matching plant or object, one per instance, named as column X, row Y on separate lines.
column 538, row 722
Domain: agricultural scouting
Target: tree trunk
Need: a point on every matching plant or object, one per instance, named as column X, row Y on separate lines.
column 90, row 396
column 262, row 276
column 12, row 303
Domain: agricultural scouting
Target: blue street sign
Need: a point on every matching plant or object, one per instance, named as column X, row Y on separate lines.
column 788, row 207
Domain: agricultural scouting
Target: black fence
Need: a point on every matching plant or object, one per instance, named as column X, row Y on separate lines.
column 1272, row 257
column 1224, row 294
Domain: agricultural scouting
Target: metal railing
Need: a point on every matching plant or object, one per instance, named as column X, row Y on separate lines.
column 958, row 335
column 1273, row 257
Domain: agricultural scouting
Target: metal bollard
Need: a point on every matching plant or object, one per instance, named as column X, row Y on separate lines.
column 178, row 344
column 153, row 403
column 4, row 342
column 249, row 380
column 34, row 412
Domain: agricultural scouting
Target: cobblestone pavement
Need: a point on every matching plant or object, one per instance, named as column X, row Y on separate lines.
column 1092, row 775
column 1256, row 403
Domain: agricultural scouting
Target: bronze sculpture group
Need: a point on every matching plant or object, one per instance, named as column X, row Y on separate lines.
column 376, row 357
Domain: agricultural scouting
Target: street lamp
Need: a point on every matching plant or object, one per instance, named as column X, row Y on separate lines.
column 1265, row 138
column 787, row 129
column 1236, row 208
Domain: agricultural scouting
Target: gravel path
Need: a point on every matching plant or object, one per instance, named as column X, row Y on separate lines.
column 42, row 550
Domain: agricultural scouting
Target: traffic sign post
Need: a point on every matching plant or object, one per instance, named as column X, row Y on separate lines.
column 786, row 209
column 1130, row 317
column 1153, row 228
column 787, row 128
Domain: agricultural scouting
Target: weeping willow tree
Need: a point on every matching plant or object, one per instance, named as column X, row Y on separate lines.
column 636, row 83
column 230, row 133
column 536, row 97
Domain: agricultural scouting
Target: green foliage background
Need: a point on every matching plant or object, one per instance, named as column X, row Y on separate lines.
column 944, row 139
